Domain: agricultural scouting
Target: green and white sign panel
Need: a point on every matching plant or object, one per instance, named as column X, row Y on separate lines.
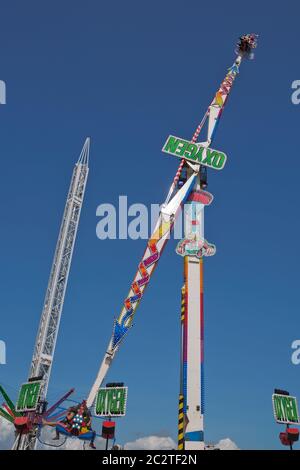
column 285, row 409
column 111, row 401
column 29, row 396
column 195, row 153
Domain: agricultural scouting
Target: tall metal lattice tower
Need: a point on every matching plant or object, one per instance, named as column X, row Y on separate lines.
column 44, row 349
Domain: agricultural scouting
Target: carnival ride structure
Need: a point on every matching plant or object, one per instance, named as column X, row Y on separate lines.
column 28, row 424
column 186, row 193
column 188, row 187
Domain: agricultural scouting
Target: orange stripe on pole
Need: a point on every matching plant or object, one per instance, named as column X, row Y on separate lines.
column 186, row 259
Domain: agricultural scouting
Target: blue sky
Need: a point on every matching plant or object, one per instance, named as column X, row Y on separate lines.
column 128, row 74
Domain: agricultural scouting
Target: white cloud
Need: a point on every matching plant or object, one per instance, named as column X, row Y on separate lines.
column 166, row 443
column 143, row 443
column 227, row 444
column 6, row 434
column 151, row 443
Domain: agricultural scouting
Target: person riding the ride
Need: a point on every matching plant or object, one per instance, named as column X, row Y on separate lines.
column 77, row 422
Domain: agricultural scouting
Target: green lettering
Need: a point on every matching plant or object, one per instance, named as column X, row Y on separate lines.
column 218, row 160
column 123, row 401
column 278, row 408
column 294, row 410
column 28, row 396
column 198, row 156
column 195, row 152
column 291, row 411
column 118, row 401
column 121, row 398
column 208, row 157
column 191, row 151
column 100, row 403
column 181, row 147
column 21, row 399
column 171, row 144
column 33, row 395
column 111, row 401
column 285, row 403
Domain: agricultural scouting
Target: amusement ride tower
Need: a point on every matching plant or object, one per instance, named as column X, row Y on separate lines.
column 44, row 349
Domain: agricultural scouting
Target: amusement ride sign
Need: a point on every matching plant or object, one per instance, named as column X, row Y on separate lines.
column 195, row 153
column 29, row 396
column 111, row 401
column 285, row 409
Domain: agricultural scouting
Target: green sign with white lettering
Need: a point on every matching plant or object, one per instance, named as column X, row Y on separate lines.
column 29, row 396
column 195, row 153
column 285, row 409
column 111, row 401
